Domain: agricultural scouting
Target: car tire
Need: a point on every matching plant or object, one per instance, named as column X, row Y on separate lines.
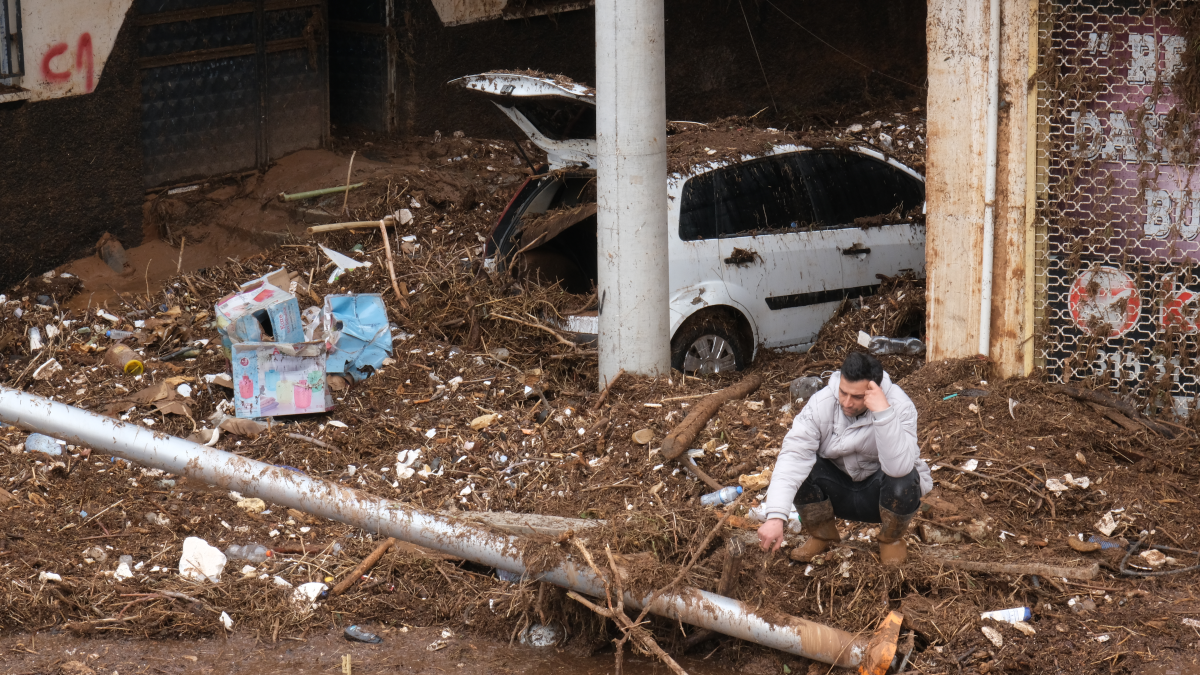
column 709, row 344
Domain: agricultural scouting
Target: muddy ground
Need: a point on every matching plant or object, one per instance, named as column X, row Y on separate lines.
column 472, row 343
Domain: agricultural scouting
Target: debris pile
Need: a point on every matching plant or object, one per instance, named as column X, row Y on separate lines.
column 1077, row 528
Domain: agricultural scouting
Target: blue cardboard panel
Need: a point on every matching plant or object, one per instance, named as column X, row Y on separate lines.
column 361, row 334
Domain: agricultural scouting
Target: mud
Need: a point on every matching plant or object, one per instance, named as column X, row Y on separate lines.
column 321, row 651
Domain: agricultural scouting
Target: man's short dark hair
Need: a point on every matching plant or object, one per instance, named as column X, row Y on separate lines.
column 860, row 366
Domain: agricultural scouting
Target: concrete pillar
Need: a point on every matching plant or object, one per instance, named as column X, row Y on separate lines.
column 631, row 135
column 956, row 172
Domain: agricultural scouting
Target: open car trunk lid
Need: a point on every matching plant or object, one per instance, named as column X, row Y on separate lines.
column 558, row 115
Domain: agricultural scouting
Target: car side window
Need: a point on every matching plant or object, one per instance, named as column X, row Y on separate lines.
column 847, row 187
column 762, row 196
column 697, row 219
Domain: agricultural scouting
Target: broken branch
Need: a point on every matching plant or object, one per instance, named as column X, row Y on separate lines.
column 1108, row 400
column 1049, row 571
column 363, row 567
column 677, row 442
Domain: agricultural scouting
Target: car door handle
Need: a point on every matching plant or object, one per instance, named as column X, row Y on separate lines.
column 855, row 250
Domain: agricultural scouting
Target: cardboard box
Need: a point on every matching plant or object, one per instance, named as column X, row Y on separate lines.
column 259, row 313
column 272, row 379
column 358, row 333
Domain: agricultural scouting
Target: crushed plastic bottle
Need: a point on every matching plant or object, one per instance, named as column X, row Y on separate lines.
column 805, row 387
column 118, row 334
column 359, row 635
column 725, row 495
column 41, row 443
column 885, row 345
column 255, row 553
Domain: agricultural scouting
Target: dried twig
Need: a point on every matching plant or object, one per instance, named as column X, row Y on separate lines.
column 387, row 249
column 608, row 388
column 363, row 567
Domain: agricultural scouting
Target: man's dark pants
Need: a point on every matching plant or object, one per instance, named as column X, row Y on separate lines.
column 860, row 501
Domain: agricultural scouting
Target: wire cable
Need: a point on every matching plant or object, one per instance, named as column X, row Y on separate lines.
column 760, row 63
column 822, row 41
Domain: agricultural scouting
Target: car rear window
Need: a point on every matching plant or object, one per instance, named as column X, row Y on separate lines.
column 762, row 196
column 847, row 186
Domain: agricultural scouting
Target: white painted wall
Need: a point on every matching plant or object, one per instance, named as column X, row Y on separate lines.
column 66, row 44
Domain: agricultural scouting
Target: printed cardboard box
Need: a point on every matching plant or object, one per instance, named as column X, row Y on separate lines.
column 359, row 336
column 272, row 379
column 259, row 313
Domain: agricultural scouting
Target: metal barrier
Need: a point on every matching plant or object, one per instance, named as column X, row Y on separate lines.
column 1117, row 209
column 12, row 56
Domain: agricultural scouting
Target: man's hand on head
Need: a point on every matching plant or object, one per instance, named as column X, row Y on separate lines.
column 770, row 534
column 875, row 400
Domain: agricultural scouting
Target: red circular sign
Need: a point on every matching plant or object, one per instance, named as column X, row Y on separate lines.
column 1105, row 296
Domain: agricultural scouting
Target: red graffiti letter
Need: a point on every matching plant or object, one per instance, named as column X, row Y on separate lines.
column 49, row 73
column 85, row 52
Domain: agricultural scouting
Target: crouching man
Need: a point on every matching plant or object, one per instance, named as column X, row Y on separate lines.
column 852, row 454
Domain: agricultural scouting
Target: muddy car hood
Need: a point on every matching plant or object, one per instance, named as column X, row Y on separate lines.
column 558, row 115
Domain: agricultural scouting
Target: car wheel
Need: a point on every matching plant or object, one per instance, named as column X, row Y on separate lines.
column 708, row 346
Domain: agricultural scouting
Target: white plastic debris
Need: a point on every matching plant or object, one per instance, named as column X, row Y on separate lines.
column 1154, row 558
column 252, row 505
column 1106, row 524
column 993, row 636
column 48, row 576
column 305, row 596
column 123, row 572
column 184, row 390
column 200, row 561
column 404, row 461
column 970, row 465
column 336, row 423
column 342, row 262
column 226, row 621
column 280, row 581
column 47, row 370
column 1055, row 485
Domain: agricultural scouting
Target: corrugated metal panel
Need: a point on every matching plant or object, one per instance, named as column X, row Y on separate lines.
column 229, row 86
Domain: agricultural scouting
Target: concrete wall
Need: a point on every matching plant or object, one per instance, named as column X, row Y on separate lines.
column 958, row 93
column 71, row 169
column 67, row 43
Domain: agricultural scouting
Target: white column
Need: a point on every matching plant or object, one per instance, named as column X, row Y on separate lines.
column 631, row 134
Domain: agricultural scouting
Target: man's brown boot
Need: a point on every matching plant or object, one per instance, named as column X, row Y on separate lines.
column 892, row 548
column 817, row 521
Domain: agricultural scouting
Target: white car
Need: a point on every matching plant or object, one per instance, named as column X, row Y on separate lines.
column 763, row 246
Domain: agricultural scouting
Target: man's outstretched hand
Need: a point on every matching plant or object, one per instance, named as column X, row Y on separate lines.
column 874, row 398
column 770, row 534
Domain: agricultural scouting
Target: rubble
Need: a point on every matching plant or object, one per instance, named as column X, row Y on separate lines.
column 460, row 373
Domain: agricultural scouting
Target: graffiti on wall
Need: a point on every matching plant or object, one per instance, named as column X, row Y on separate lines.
column 58, row 66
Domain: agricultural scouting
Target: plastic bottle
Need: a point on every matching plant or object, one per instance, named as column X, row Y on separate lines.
column 1011, row 615
column 885, row 345
column 124, row 358
column 723, row 496
column 254, row 553
column 41, row 443
column 118, row 334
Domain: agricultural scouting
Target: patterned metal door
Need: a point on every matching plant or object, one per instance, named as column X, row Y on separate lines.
column 229, row 86
column 1117, row 296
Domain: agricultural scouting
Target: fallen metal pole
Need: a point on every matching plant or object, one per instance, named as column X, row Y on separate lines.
column 446, row 535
